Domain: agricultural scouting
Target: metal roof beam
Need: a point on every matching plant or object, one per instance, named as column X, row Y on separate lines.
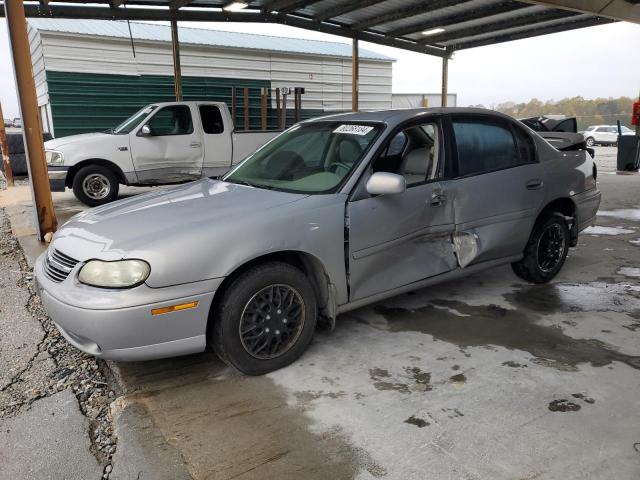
column 345, row 31
column 106, row 13
column 627, row 10
column 286, row 5
column 495, row 9
column 176, row 4
column 351, row 6
column 400, row 14
column 156, row 14
column 535, row 32
column 496, row 27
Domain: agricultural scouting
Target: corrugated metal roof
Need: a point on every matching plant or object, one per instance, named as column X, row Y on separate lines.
column 201, row 36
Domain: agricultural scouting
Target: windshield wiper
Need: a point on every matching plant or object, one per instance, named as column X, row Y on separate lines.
column 249, row 184
column 110, row 131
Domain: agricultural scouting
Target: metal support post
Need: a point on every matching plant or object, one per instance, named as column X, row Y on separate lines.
column 4, row 150
column 445, row 80
column 32, row 127
column 355, row 67
column 177, row 71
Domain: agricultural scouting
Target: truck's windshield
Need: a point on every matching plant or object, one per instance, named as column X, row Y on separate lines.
column 309, row 158
column 134, row 120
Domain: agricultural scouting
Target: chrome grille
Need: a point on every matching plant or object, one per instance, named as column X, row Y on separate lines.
column 57, row 265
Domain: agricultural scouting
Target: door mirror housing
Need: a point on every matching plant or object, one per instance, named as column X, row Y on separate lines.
column 385, row 183
column 145, row 131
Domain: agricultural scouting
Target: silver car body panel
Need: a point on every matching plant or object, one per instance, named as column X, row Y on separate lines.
column 362, row 248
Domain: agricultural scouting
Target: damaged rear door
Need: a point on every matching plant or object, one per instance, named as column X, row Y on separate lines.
column 395, row 240
column 498, row 190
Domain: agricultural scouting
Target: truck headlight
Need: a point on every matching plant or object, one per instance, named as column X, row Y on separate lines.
column 118, row 274
column 53, row 157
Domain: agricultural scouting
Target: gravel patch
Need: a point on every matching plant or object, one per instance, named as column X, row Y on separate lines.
column 54, row 365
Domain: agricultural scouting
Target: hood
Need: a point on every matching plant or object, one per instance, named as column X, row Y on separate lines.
column 169, row 223
column 56, row 143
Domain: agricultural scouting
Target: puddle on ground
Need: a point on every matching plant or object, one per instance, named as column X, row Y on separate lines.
column 577, row 297
column 632, row 214
column 563, row 405
column 417, row 421
column 196, row 401
column 415, row 380
column 482, row 326
column 633, row 272
column 597, row 230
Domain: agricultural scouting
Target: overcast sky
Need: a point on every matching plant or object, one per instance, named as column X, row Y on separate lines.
column 592, row 62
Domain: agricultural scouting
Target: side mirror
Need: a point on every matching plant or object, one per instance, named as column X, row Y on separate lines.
column 384, row 183
column 145, row 131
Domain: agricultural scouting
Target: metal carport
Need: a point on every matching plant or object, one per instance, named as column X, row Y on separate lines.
column 435, row 27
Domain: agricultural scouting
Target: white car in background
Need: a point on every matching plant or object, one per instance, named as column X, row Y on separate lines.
column 604, row 134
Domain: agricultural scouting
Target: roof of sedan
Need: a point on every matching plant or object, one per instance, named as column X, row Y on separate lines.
column 401, row 115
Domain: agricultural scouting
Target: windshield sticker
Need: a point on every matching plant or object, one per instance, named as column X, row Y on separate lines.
column 353, row 129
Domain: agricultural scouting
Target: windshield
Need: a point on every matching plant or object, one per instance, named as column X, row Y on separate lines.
column 134, row 120
column 308, row 158
column 625, row 129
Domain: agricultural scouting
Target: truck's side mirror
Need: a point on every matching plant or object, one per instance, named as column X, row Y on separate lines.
column 145, row 131
column 385, row 183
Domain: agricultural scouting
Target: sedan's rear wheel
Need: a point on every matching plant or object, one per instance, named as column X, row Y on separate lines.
column 546, row 251
column 265, row 319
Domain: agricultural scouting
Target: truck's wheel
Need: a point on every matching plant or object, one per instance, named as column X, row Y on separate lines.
column 591, row 142
column 265, row 319
column 546, row 251
column 95, row 185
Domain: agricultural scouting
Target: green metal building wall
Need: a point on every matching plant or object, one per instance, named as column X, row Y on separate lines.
column 87, row 102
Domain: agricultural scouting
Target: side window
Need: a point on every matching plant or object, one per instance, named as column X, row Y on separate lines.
column 412, row 153
column 211, row 119
column 172, row 120
column 612, row 129
column 484, row 146
column 601, row 129
column 526, row 147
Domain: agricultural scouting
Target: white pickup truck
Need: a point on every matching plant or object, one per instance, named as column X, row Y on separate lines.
column 162, row 143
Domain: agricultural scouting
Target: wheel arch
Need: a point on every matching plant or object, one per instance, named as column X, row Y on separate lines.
column 567, row 207
column 309, row 264
column 95, row 161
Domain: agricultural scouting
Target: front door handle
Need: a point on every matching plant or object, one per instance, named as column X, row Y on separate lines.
column 534, row 184
column 195, row 144
column 438, row 199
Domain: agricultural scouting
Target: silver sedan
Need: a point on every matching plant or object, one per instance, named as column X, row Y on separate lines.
column 333, row 214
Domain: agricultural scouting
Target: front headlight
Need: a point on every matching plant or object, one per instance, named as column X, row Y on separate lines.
column 119, row 274
column 53, row 157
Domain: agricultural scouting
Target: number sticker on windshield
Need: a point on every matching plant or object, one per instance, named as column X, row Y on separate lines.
column 353, row 129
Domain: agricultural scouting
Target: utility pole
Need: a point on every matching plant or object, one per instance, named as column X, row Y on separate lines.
column 4, row 150
column 45, row 216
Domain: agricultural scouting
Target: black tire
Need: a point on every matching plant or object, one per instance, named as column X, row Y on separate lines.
column 537, row 253
column 95, row 176
column 233, row 311
column 590, row 142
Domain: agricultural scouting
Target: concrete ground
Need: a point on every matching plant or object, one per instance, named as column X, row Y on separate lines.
column 481, row 378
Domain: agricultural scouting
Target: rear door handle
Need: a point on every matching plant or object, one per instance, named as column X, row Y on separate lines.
column 534, row 184
column 438, row 199
column 195, row 144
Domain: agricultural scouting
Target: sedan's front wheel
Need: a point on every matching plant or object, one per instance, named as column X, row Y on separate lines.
column 265, row 319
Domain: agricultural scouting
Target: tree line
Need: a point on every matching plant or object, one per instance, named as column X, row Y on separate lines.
column 597, row 111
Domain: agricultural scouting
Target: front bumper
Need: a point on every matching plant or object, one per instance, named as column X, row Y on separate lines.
column 57, row 178
column 118, row 324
